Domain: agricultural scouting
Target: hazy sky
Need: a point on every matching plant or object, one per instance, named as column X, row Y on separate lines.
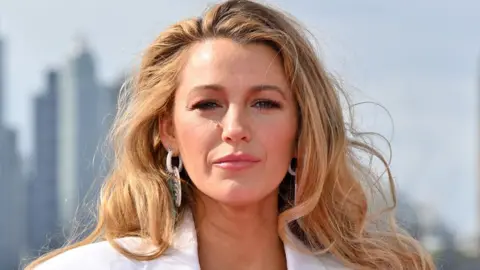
column 417, row 58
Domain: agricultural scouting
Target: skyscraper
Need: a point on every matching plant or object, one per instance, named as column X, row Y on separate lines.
column 78, row 134
column 107, row 113
column 12, row 196
column 42, row 214
column 2, row 80
column 477, row 242
column 111, row 101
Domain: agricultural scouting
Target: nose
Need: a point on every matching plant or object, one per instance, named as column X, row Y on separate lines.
column 235, row 126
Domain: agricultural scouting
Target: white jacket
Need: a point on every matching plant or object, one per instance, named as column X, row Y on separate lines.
column 181, row 256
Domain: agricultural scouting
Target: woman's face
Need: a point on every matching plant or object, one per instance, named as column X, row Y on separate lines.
column 234, row 120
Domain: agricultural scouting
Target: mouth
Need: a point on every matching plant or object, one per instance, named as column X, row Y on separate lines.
column 238, row 161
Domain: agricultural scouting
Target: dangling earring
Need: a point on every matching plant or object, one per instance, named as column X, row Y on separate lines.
column 174, row 183
column 294, row 174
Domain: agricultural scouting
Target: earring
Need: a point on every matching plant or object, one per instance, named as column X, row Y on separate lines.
column 174, row 182
column 294, row 174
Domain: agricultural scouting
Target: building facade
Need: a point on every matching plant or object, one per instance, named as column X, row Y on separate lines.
column 78, row 137
column 43, row 222
column 12, row 187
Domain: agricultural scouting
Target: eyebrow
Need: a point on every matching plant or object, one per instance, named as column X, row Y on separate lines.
column 254, row 89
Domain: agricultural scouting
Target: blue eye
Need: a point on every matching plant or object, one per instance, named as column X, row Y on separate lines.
column 205, row 105
column 267, row 104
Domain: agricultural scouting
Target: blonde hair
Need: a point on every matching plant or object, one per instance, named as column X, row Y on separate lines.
column 333, row 210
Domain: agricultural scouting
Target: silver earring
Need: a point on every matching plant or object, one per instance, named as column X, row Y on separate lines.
column 294, row 174
column 174, row 182
column 291, row 171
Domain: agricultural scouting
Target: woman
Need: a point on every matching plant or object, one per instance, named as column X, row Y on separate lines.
column 233, row 154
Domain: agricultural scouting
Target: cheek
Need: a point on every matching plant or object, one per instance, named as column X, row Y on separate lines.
column 194, row 137
column 191, row 132
column 278, row 137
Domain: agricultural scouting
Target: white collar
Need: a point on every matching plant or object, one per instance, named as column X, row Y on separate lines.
column 185, row 249
column 182, row 255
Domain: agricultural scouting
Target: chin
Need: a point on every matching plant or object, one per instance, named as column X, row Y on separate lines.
column 240, row 196
column 238, row 200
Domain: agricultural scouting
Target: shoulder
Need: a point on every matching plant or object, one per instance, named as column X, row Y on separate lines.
column 321, row 262
column 297, row 259
column 102, row 255
column 99, row 255
column 329, row 262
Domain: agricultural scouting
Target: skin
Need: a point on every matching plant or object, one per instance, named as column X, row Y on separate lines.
column 234, row 98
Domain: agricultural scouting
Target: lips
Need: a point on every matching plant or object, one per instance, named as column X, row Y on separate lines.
column 237, row 161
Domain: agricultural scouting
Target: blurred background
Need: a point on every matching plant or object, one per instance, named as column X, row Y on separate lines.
column 62, row 64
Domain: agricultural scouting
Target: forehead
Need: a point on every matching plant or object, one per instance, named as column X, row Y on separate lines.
column 225, row 62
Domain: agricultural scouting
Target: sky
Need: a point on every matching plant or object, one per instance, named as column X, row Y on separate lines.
column 418, row 59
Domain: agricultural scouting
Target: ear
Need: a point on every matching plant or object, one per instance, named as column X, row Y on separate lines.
column 166, row 132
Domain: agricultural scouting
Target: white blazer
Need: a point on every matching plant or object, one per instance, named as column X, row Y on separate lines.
column 181, row 256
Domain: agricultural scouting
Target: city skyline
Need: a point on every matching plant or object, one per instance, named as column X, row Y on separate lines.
column 408, row 55
column 72, row 115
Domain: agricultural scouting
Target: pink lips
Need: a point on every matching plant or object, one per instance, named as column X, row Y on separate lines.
column 236, row 161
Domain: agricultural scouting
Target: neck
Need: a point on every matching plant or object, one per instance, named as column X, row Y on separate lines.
column 233, row 237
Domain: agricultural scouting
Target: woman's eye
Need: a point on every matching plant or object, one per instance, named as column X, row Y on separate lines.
column 266, row 104
column 205, row 105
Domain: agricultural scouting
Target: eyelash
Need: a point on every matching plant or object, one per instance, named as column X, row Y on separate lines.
column 268, row 104
column 204, row 105
column 212, row 104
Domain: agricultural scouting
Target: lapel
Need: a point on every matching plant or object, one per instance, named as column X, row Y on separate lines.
column 183, row 254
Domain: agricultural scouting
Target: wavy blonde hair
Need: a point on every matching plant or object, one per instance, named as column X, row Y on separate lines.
column 333, row 212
